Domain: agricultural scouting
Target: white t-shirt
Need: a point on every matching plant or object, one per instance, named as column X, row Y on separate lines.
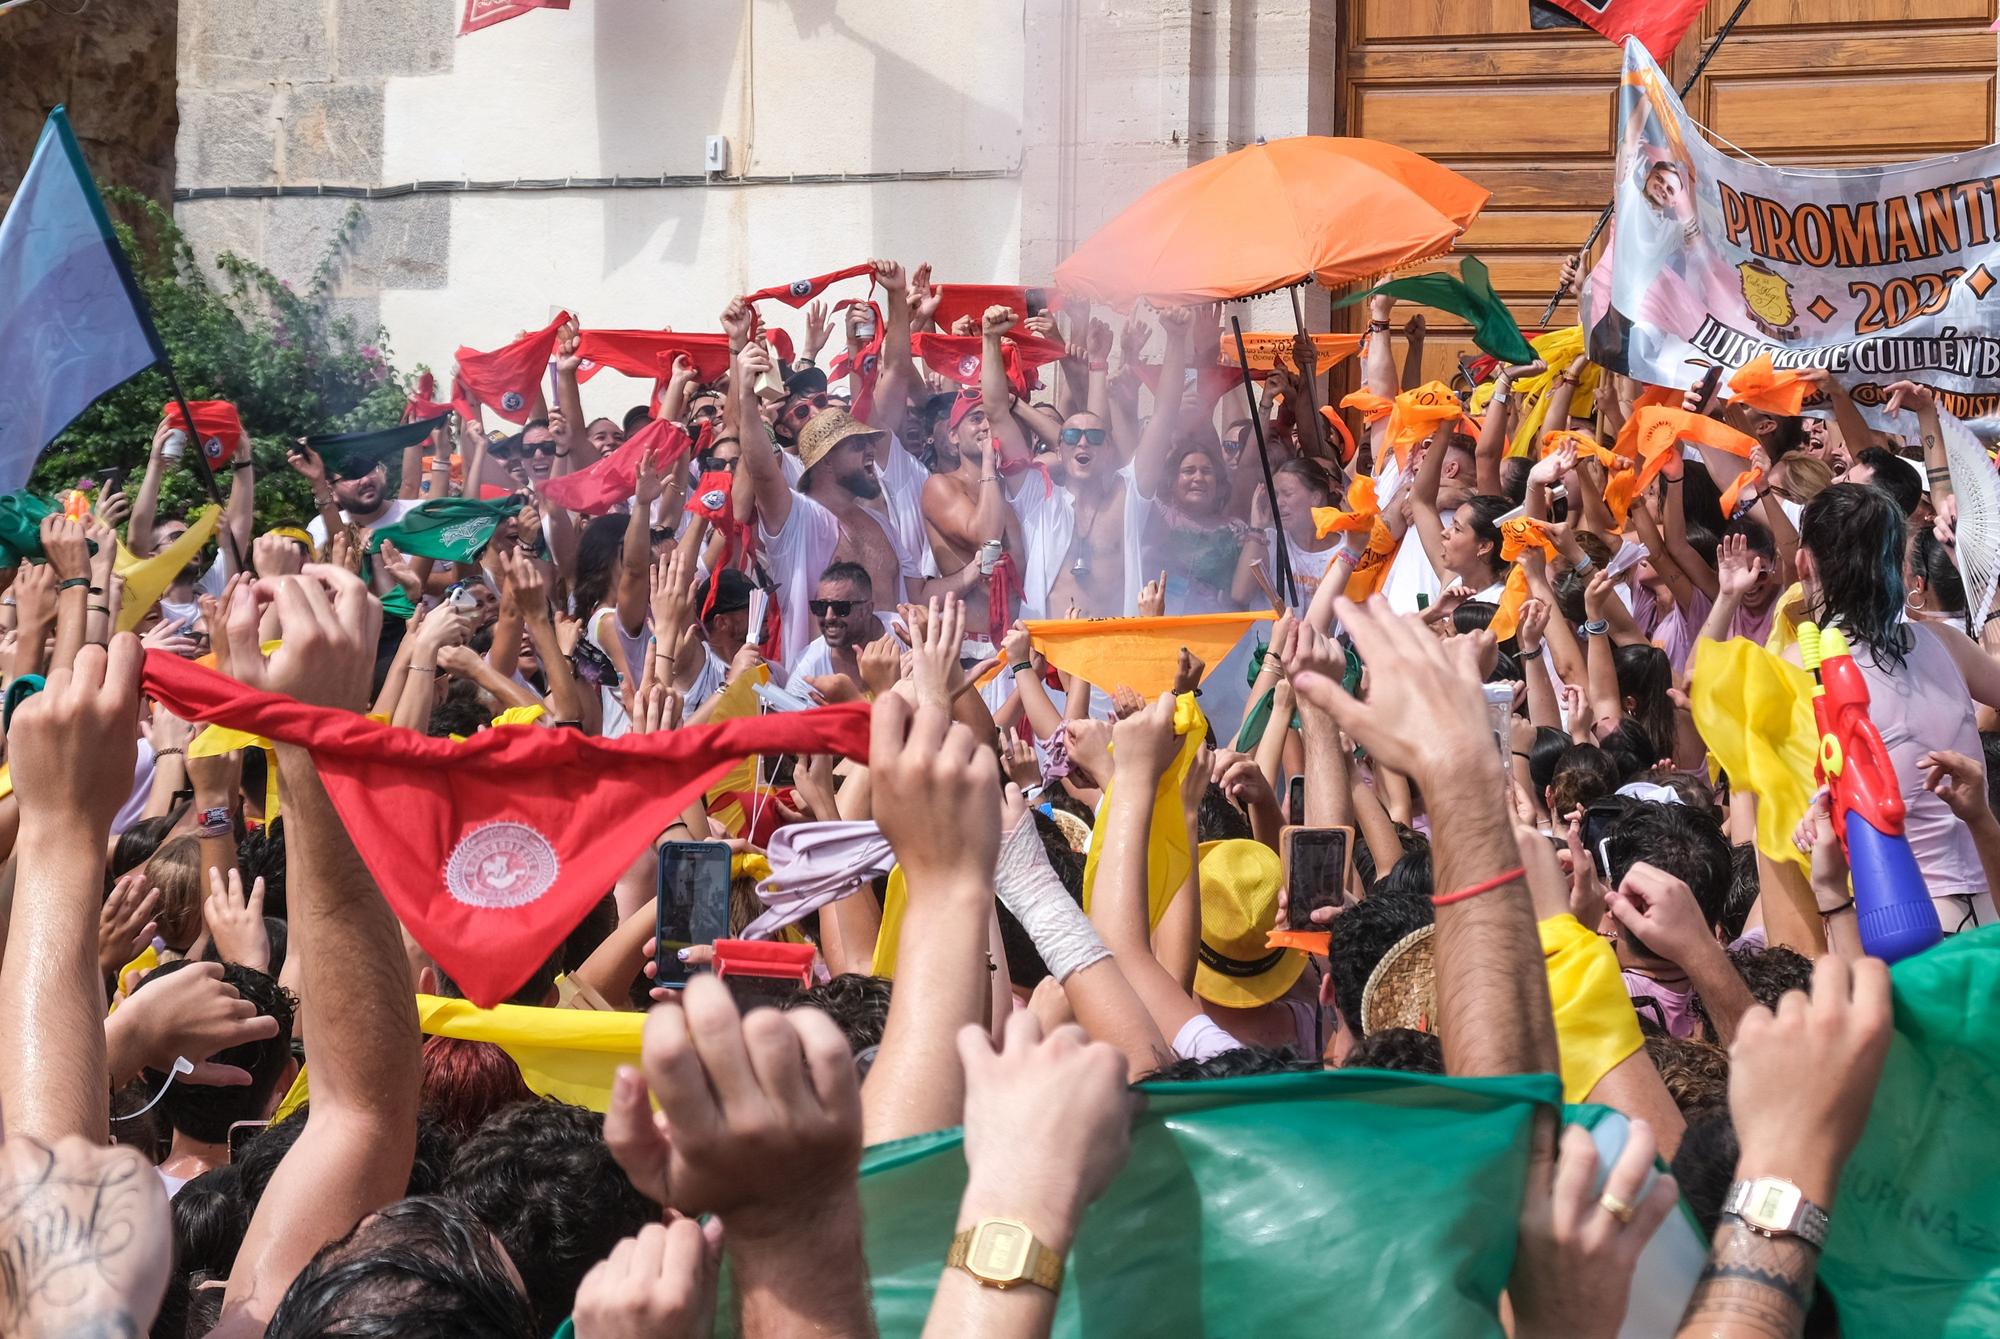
column 707, row 683
column 795, row 557
column 1201, row 1038
column 1410, row 572
column 397, row 508
column 816, row 659
column 901, row 506
column 1308, row 565
column 1048, row 525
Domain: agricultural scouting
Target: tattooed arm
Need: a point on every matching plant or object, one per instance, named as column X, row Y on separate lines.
column 85, row 1240
column 1800, row 1083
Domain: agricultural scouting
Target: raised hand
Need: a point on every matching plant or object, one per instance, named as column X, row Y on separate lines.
column 1736, row 568
column 190, row 1012
column 276, row 556
column 1143, row 744
column 328, row 627
column 235, row 920
column 64, row 542
column 74, row 744
column 1188, row 670
column 881, row 663
column 889, row 274
column 936, row 794
column 819, row 329
column 659, row 1284
column 998, row 320
column 1959, row 781
column 568, row 360
column 738, row 320
column 936, row 650
column 1153, row 598
column 125, row 923
column 307, row 462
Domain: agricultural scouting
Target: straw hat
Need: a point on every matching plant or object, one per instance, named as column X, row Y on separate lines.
column 1073, row 829
column 827, row 429
column 1239, row 907
column 1402, row 990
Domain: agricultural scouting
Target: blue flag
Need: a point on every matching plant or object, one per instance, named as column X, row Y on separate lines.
column 72, row 323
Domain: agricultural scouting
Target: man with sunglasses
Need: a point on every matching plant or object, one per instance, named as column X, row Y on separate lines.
column 844, row 609
column 358, row 488
column 533, row 448
column 1088, row 524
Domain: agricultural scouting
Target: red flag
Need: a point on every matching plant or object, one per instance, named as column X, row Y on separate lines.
column 608, row 484
column 956, row 300
column 422, row 403
column 508, row 379
column 492, row 850
column 801, row 291
column 485, row 13
column 1658, row 24
column 1213, row 382
column 649, row 354
column 216, row 427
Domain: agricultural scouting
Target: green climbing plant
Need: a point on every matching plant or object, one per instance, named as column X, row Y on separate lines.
column 285, row 358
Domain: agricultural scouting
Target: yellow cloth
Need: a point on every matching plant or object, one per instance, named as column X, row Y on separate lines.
column 737, row 699
column 895, row 898
column 1754, row 711
column 147, row 579
column 295, row 1097
column 148, row 959
column 750, row 865
column 1596, row 1025
column 6, row 780
column 1557, row 349
column 568, row 1054
column 1785, row 623
column 527, row 715
column 1142, row 654
column 216, row 740
column 1168, row 859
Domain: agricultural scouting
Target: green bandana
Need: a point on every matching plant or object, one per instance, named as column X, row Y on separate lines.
column 349, row 454
column 449, row 529
column 21, row 527
column 1471, row 296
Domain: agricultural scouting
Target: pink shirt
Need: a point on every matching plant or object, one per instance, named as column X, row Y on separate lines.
column 1676, row 630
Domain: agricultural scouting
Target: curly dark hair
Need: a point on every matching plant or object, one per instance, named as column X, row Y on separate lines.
column 541, row 1177
column 1240, row 1062
column 1400, row 1048
column 857, row 1004
column 1364, row 933
column 1696, row 1073
column 205, row 1112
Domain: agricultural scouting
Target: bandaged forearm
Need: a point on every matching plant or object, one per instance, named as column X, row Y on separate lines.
column 1030, row 889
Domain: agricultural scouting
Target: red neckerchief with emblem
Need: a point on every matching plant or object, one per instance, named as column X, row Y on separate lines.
column 492, row 849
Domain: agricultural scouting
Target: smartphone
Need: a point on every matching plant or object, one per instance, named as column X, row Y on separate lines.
column 1599, row 818
column 1316, row 861
column 693, row 904
column 241, row 1133
column 111, row 481
column 1706, row 387
column 1295, row 801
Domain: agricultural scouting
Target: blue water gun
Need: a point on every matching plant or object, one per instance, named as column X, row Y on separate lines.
column 1892, row 906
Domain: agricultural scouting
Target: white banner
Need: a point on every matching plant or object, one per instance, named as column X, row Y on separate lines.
column 1879, row 274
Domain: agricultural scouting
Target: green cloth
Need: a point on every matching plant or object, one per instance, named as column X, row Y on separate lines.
column 1257, row 720
column 351, row 454
column 21, row 527
column 1470, row 296
column 1914, row 1245
column 1378, row 1203
column 398, row 604
column 449, row 529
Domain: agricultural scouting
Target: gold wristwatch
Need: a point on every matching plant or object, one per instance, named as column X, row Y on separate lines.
column 1003, row 1253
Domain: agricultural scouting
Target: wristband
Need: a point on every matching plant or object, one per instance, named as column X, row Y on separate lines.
column 104, row 609
column 1497, row 881
column 1024, row 665
column 71, row 583
column 1098, row 365
column 244, row 465
column 1597, row 627
column 1583, row 566
column 214, row 822
column 1836, row 910
column 1382, row 326
column 97, row 590
column 1990, row 617
column 161, row 753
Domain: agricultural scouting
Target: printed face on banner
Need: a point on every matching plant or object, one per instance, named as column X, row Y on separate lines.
column 1877, row 274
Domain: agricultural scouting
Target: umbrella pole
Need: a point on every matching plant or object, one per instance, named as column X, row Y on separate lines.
column 1597, row 229
column 1285, row 582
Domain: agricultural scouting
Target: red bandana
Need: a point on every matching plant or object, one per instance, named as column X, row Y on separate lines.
column 801, row 291
column 1211, row 382
column 649, row 354
column 957, row 300
column 422, row 404
column 492, row 850
column 865, row 368
column 216, row 428
column 507, row 379
column 608, row 484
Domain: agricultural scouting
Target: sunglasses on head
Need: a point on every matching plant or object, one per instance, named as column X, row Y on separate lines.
column 838, row 608
column 807, row 406
column 1071, row 436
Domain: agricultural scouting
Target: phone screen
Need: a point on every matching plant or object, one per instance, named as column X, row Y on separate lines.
column 1295, row 800
column 1598, row 821
column 241, row 1133
column 1706, row 386
column 693, row 904
column 1315, row 872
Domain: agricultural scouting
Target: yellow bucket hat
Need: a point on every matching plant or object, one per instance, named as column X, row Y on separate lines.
column 1239, row 907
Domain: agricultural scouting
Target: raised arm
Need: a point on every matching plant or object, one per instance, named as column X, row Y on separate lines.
column 146, row 502
column 895, row 373
column 994, row 391
column 358, row 1014
column 1149, row 463
column 759, row 461
column 635, row 557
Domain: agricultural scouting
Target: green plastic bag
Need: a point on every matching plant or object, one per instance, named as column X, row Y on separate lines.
column 1914, row 1243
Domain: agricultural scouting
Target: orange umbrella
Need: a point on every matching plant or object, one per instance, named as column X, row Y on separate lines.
column 1272, row 215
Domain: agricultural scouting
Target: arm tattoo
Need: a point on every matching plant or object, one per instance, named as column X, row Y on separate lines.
column 1754, row 1287
column 61, row 1241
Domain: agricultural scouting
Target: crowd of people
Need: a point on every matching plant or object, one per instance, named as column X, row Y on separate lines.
column 1477, row 654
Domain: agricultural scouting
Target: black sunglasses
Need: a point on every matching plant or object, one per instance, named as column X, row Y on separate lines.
column 838, row 608
column 515, row 450
column 1071, row 436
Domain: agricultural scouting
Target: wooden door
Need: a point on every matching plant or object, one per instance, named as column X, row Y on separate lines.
column 1528, row 114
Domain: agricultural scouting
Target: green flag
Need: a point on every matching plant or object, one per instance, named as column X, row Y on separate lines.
column 350, row 454
column 449, row 529
column 1471, row 296
column 21, row 527
column 1914, row 1244
column 1385, row 1203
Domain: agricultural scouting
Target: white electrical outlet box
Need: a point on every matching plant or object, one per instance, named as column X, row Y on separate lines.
column 715, row 157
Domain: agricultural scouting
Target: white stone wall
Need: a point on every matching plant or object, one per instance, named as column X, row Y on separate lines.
column 341, row 92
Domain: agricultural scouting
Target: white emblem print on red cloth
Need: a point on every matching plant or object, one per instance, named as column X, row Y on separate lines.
column 499, row 865
column 968, row 365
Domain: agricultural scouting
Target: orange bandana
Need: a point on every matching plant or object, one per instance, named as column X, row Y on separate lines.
column 1761, row 386
column 1362, row 509
column 1749, row 479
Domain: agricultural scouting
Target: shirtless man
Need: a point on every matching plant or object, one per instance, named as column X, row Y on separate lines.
column 965, row 504
column 824, row 519
column 1092, row 572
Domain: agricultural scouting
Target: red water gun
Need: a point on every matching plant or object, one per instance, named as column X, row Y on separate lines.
column 1892, row 905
